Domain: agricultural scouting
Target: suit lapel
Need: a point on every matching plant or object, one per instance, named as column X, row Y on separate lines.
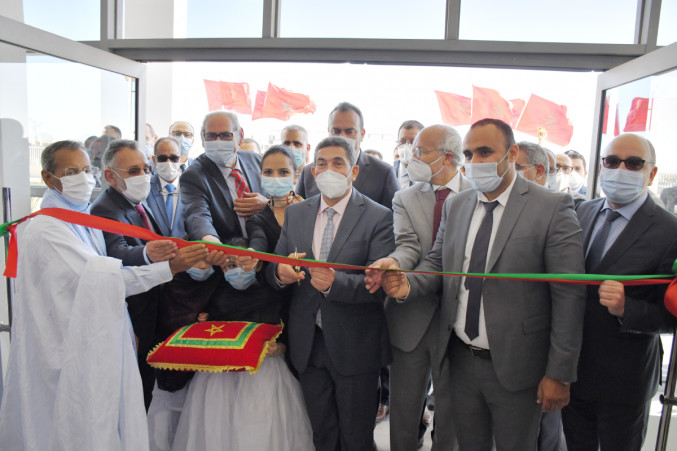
column 462, row 218
column 307, row 226
column 351, row 215
column 424, row 203
column 588, row 220
column 218, row 179
column 511, row 213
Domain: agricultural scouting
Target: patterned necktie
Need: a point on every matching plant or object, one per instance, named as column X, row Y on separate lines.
column 169, row 202
column 478, row 264
column 440, row 196
column 240, row 184
column 327, row 240
column 596, row 251
column 144, row 216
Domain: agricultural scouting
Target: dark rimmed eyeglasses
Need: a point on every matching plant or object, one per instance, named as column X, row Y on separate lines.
column 564, row 168
column 224, row 136
column 631, row 164
column 164, row 158
column 135, row 170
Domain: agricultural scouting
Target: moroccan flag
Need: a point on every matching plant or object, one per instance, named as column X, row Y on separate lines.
column 258, row 105
column 606, row 115
column 213, row 89
column 639, row 110
column 540, row 112
column 617, row 127
column 282, row 104
column 455, row 109
column 488, row 103
column 235, row 97
column 517, row 108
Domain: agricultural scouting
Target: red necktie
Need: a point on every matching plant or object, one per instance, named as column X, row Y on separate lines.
column 440, row 196
column 240, row 184
column 144, row 216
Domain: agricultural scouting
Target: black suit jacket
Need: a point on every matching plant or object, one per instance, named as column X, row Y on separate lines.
column 376, row 180
column 156, row 203
column 620, row 360
column 353, row 321
column 207, row 203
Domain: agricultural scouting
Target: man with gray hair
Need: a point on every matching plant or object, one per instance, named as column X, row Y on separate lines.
column 296, row 138
column 377, row 180
column 338, row 338
column 414, row 326
column 532, row 162
column 223, row 186
column 620, row 363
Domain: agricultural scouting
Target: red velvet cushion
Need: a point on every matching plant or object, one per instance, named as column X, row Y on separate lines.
column 215, row 346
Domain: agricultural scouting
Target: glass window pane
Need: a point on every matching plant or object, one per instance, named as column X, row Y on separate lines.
column 603, row 21
column 379, row 19
column 667, row 27
column 648, row 107
column 163, row 19
column 78, row 20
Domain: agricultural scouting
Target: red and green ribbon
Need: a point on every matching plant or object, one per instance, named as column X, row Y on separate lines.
column 108, row 225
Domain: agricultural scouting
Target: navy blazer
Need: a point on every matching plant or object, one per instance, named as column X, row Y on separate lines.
column 206, row 199
column 353, row 320
column 376, row 180
column 620, row 361
column 156, row 202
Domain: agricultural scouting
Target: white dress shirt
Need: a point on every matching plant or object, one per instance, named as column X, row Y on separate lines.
column 321, row 221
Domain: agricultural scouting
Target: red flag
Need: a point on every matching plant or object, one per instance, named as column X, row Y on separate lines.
column 617, row 127
column 639, row 111
column 488, row 103
column 213, row 89
column 258, row 105
column 455, row 109
column 540, row 112
column 235, row 97
column 282, row 104
column 517, row 108
column 606, row 115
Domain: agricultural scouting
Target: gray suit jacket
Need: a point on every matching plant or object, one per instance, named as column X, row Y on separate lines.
column 534, row 328
column 353, row 322
column 413, row 209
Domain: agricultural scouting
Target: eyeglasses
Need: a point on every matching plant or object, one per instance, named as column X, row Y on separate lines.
column 564, row 168
column 177, row 134
column 224, row 136
column 135, row 170
column 418, row 152
column 631, row 164
column 164, row 158
column 76, row 171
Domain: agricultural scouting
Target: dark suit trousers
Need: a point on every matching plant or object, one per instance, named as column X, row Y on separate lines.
column 342, row 409
column 482, row 408
column 591, row 425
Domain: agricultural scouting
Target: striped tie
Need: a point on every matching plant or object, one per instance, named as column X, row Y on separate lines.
column 327, row 241
column 240, row 184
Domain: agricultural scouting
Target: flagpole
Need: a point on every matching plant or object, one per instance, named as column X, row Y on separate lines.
column 668, row 400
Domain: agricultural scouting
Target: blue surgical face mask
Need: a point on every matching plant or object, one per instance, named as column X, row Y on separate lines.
column 186, row 144
column 299, row 157
column 484, row 176
column 277, row 186
column 198, row 274
column 220, row 152
column 240, row 279
column 622, row 186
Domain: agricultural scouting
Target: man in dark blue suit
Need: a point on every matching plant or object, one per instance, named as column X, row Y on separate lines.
column 377, row 180
column 223, row 186
column 338, row 339
column 164, row 197
column 620, row 362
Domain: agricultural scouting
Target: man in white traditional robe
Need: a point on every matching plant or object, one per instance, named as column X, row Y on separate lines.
column 72, row 380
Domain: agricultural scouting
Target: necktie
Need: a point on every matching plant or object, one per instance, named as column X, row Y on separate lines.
column 440, row 196
column 478, row 263
column 169, row 202
column 240, row 184
column 144, row 216
column 596, row 251
column 327, row 240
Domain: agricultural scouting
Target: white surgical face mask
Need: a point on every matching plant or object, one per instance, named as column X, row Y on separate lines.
column 186, row 144
column 420, row 171
column 484, row 176
column 405, row 151
column 561, row 182
column 622, row 186
column 149, row 150
column 77, row 188
column 552, row 181
column 332, row 184
column 168, row 170
column 277, row 186
column 220, row 152
column 137, row 189
column 299, row 156
column 575, row 180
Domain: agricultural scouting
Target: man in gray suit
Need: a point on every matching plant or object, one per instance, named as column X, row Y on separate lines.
column 512, row 345
column 414, row 326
